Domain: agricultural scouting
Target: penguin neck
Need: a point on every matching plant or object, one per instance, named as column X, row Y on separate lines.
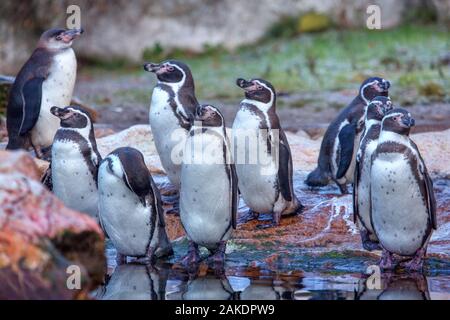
column 84, row 132
column 371, row 122
column 390, row 136
column 263, row 107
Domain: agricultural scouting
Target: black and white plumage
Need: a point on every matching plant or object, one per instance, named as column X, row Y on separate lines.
column 47, row 79
column 72, row 174
column 209, row 187
column 171, row 115
column 264, row 165
column 374, row 114
column 340, row 144
column 130, row 208
column 403, row 206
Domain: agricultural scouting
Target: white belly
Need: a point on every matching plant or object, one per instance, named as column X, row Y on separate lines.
column 399, row 213
column 73, row 183
column 208, row 288
column 125, row 219
column 257, row 174
column 364, row 186
column 169, row 137
column 205, row 195
column 57, row 90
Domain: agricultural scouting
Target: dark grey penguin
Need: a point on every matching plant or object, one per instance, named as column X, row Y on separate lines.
column 209, row 188
column 47, row 79
column 264, row 165
column 72, row 174
column 130, row 209
column 374, row 114
column 340, row 143
column 403, row 206
column 172, row 111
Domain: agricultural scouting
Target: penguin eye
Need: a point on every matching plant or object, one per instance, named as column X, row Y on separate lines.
column 170, row 68
column 58, row 38
column 395, row 118
column 259, row 87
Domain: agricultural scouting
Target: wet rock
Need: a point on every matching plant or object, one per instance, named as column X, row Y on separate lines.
column 40, row 238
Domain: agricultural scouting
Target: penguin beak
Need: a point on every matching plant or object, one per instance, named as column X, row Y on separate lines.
column 385, row 85
column 409, row 122
column 152, row 67
column 60, row 112
column 70, row 35
column 246, row 85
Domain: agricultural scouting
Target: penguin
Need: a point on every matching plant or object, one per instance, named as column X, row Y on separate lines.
column 264, row 164
column 73, row 169
column 341, row 140
column 47, row 79
column 136, row 282
column 403, row 206
column 130, row 209
column 172, row 110
column 209, row 187
column 374, row 114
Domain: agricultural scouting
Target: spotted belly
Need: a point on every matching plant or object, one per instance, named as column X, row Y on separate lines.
column 399, row 213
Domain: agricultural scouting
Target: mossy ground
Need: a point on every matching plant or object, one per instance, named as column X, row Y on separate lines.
column 409, row 56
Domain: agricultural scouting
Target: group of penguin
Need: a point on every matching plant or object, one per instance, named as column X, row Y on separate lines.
column 367, row 144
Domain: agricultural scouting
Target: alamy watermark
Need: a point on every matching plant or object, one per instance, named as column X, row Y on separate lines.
column 373, row 21
column 73, row 281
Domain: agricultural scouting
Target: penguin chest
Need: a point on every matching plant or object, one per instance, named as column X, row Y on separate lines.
column 57, row 90
column 72, row 178
column 169, row 136
column 125, row 219
column 399, row 213
column 257, row 170
column 364, row 185
column 206, row 193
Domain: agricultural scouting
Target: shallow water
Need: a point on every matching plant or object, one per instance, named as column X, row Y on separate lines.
column 295, row 273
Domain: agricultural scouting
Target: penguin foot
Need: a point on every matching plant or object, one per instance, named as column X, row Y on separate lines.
column 416, row 263
column 193, row 256
column 367, row 243
column 386, row 262
column 317, row 178
column 218, row 257
column 121, row 259
column 343, row 188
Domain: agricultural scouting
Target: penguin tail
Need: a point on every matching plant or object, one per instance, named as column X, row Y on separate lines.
column 317, row 178
column 16, row 143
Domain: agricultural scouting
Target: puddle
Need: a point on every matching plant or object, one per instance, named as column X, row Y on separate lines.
column 276, row 264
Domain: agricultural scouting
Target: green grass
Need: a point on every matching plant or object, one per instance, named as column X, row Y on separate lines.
column 331, row 60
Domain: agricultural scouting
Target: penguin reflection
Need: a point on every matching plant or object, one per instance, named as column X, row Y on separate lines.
column 208, row 287
column 136, row 282
column 393, row 287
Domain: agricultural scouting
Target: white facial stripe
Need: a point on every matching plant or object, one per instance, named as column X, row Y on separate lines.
column 176, row 87
column 364, row 87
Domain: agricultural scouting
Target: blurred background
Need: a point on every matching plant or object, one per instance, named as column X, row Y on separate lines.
column 316, row 53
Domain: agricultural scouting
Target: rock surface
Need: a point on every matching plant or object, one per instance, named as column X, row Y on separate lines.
column 40, row 238
column 192, row 24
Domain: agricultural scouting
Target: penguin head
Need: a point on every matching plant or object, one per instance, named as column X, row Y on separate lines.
column 399, row 121
column 59, row 39
column 73, row 117
column 128, row 164
column 170, row 72
column 373, row 87
column 258, row 90
column 378, row 108
column 210, row 116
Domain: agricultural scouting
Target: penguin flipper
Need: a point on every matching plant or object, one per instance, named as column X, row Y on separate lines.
column 32, row 98
column 234, row 195
column 46, row 179
column 355, row 192
column 346, row 142
column 285, row 168
column 431, row 200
